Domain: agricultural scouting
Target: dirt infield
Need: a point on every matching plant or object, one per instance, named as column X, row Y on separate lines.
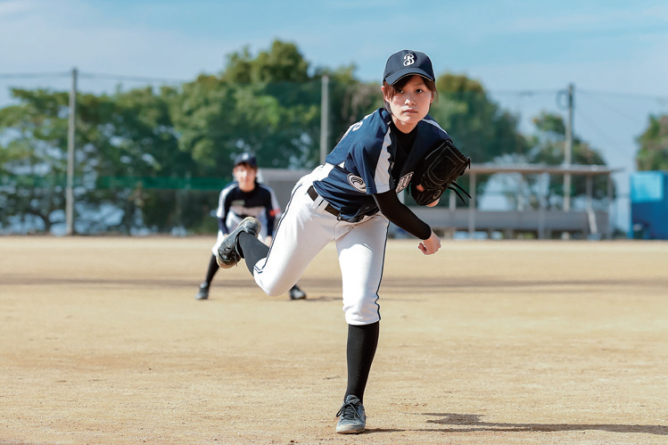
column 102, row 342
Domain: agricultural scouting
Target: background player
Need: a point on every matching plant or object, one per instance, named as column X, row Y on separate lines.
column 239, row 199
column 351, row 200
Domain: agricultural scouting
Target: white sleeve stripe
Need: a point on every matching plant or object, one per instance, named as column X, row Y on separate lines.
column 382, row 174
column 221, row 200
column 435, row 124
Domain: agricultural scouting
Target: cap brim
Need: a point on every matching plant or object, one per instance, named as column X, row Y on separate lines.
column 398, row 75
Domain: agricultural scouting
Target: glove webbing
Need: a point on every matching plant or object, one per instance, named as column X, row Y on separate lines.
column 450, row 187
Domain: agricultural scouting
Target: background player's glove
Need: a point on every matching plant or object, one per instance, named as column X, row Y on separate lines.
column 438, row 172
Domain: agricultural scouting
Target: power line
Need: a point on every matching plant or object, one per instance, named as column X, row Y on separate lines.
column 171, row 80
column 603, row 135
column 90, row 76
column 522, row 92
column 32, row 75
column 130, row 78
column 621, row 113
column 638, row 95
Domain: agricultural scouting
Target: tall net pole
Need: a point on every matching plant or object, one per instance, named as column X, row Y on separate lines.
column 568, row 150
column 69, row 194
column 324, row 119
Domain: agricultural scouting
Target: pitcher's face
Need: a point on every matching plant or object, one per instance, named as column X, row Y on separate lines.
column 410, row 104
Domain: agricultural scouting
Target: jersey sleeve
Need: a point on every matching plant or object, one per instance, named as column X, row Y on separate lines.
column 368, row 144
column 224, row 201
column 272, row 211
column 378, row 179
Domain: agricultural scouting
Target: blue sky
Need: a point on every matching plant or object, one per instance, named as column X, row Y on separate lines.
column 506, row 44
column 614, row 52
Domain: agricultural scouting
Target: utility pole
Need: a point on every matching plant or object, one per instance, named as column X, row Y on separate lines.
column 324, row 119
column 69, row 194
column 568, row 150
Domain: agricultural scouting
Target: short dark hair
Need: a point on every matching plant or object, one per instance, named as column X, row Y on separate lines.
column 247, row 165
column 391, row 90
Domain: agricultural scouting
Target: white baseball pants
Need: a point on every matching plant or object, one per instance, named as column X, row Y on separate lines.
column 304, row 230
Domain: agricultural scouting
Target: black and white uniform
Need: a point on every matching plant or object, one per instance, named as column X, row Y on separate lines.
column 350, row 200
column 234, row 205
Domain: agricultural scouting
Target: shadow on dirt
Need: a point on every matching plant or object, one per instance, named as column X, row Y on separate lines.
column 473, row 423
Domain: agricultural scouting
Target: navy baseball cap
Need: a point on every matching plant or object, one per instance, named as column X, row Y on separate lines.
column 406, row 63
column 245, row 158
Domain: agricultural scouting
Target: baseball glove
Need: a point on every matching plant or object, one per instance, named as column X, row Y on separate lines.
column 438, row 172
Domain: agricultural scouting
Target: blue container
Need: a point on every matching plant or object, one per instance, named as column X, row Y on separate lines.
column 649, row 205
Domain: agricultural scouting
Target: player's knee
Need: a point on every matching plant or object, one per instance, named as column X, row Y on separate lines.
column 276, row 291
column 272, row 283
column 272, row 288
column 362, row 312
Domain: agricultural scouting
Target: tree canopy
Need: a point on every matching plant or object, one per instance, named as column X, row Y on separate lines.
column 547, row 147
column 138, row 151
column 476, row 123
column 653, row 153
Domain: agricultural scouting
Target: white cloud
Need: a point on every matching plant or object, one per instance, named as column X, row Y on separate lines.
column 478, row 23
column 367, row 4
column 10, row 8
column 572, row 21
column 72, row 33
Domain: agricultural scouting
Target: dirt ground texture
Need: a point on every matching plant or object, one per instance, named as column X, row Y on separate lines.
column 486, row 342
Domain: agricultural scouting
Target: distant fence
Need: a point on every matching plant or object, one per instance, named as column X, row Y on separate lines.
column 181, row 206
column 540, row 223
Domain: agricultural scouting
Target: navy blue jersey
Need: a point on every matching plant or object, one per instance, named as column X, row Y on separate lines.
column 365, row 162
column 260, row 203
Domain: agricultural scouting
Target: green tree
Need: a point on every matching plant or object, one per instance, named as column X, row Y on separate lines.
column 548, row 144
column 282, row 63
column 131, row 135
column 479, row 127
column 34, row 156
column 349, row 100
column 267, row 105
column 477, row 124
column 653, row 153
column 128, row 134
column 137, row 148
column 547, row 148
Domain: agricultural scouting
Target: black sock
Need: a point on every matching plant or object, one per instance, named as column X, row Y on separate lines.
column 213, row 268
column 362, row 342
column 252, row 250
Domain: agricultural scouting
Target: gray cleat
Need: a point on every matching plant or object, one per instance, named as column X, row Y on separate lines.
column 203, row 293
column 228, row 254
column 352, row 418
column 297, row 294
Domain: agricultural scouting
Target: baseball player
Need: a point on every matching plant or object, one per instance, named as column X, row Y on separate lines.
column 239, row 199
column 351, row 200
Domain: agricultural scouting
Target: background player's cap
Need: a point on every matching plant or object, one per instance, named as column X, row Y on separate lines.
column 245, row 158
column 405, row 63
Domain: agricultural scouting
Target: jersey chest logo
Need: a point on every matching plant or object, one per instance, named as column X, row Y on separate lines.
column 404, row 181
column 357, row 183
